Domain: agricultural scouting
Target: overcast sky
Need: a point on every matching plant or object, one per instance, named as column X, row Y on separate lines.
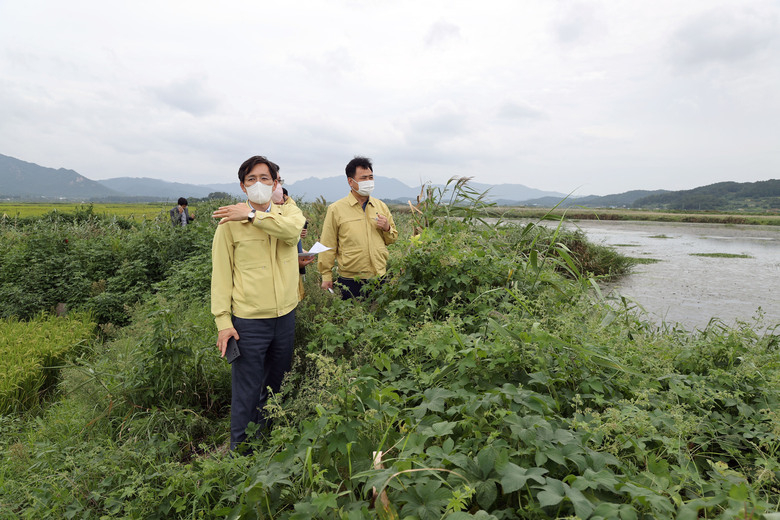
column 594, row 96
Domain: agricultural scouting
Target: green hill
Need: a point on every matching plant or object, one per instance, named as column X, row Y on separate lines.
column 722, row 196
column 29, row 181
column 615, row 200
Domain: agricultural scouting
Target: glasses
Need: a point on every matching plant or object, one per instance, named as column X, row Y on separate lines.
column 251, row 179
column 280, row 181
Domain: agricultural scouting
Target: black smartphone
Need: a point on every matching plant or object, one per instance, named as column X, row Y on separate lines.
column 305, row 224
column 232, row 353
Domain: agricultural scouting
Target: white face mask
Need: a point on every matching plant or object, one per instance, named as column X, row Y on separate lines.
column 365, row 188
column 259, row 193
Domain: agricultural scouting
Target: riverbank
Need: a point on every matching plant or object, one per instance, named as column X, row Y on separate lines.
column 703, row 217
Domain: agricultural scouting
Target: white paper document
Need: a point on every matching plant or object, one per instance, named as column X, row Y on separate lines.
column 316, row 248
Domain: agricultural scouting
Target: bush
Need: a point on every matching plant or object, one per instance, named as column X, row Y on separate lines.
column 73, row 259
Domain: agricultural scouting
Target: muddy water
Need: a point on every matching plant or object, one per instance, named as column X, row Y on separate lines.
column 691, row 290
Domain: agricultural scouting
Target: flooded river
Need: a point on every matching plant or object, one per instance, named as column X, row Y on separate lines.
column 690, row 290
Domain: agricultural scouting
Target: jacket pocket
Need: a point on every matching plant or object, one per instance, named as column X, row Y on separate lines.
column 249, row 254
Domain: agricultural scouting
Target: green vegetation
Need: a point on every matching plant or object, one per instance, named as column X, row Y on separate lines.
column 752, row 198
column 28, row 353
column 487, row 378
column 766, row 218
column 149, row 211
column 643, row 261
column 659, row 236
column 103, row 264
column 722, row 196
column 721, row 255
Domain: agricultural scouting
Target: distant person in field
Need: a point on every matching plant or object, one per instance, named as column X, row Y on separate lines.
column 254, row 291
column 179, row 215
column 358, row 229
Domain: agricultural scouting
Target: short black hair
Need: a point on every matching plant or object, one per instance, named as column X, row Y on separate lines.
column 182, row 201
column 284, row 190
column 250, row 163
column 358, row 162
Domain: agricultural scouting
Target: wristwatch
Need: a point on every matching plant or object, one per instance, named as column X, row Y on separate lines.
column 251, row 215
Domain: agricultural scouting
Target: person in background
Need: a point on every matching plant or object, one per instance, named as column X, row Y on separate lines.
column 254, row 291
column 179, row 214
column 358, row 229
column 302, row 261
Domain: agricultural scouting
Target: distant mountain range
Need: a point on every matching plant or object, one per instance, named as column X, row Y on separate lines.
column 20, row 180
column 156, row 189
column 392, row 190
column 618, row 200
column 761, row 195
column 28, row 181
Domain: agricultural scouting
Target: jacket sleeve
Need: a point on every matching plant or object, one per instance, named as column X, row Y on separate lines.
column 329, row 238
column 389, row 236
column 222, row 277
column 286, row 226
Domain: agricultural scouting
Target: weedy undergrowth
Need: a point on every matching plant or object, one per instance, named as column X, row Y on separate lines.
column 487, row 371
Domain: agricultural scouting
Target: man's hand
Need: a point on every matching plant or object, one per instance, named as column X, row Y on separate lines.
column 223, row 337
column 382, row 223
column 327, row 285
column 303, row 261
column 304, row 232
column 236, row 212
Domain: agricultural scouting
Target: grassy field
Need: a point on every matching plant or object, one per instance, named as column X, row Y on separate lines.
column 141, row 211
column 148, row 211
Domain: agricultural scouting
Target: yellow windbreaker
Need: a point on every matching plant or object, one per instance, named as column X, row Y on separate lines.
column 255, row 266
column 357, row 244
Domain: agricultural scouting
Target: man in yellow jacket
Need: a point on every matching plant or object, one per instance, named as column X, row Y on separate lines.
column 254, row 291
column 358, row 229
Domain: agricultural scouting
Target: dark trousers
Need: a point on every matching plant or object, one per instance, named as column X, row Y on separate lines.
column 266, row 347
column 351, row 288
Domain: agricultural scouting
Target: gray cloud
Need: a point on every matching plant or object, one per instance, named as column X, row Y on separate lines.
column 189, row 95
column 722, row 37
column 442, row 32
column 511, row 110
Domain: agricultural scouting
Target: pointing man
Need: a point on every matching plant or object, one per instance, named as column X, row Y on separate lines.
column 254, row 291
column 358, row 229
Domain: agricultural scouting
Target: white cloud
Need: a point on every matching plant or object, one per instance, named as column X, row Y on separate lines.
column 625, row 95
column 723, row 36
column 442, row 32
column 512, row 110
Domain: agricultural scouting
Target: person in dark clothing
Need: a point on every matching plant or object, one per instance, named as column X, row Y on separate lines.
column 179, row 215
